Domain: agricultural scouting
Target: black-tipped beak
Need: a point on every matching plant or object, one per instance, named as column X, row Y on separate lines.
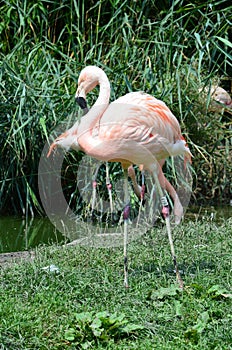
column 82, row 102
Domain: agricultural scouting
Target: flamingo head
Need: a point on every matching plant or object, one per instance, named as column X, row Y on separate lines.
column 221, row 97
column 51, row 149
column 59, row 142
column 65, row 141
column 89, row 78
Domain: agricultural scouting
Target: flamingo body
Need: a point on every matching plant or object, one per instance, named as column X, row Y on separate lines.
column 135, row 129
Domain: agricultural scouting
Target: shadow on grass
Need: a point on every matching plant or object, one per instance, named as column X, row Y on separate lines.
column 185, row 269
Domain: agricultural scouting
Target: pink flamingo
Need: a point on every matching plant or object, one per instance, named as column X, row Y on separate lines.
column 220, row 99
column 135, row 129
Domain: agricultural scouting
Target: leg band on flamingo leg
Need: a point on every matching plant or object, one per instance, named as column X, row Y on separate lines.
column 142, row 192
column 109, row 186
column 165, row 207
column 126, row 212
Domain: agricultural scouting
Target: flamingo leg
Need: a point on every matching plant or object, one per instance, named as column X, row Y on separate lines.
column 94, row 194
column 109, row 188
column 165, row 211
column 126, row 213
column 139, row 190
column 142, row 194
column 178, row 208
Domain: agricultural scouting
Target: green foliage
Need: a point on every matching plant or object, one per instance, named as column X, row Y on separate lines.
column 102, row 326
column 168, row 49
column 33, row 100
column 163, row 293
column 193, row 333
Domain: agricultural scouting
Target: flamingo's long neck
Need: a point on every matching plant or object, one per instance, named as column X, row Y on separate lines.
column 89, row 121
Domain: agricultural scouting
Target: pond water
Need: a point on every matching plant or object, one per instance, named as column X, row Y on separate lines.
column 17, row 234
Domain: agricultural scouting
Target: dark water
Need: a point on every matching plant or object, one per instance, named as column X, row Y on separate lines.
column 17, row 234
column 212, row 213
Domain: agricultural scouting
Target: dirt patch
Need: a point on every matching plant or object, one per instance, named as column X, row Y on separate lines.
column 7, row 259
column 16, row 257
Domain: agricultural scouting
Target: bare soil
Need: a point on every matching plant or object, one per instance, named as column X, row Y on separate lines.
column 16, row 257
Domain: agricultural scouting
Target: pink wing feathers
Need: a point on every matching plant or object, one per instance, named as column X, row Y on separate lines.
column 139, row 117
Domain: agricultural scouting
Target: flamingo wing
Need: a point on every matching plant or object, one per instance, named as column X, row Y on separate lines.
column 138, row 116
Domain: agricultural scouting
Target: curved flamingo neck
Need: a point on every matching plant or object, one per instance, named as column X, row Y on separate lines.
column 104, row 93
column 89, row 120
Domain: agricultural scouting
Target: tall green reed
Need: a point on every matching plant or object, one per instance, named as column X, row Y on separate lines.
column 167, row 49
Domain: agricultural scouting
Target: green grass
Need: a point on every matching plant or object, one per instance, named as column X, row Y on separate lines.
column 39, row 310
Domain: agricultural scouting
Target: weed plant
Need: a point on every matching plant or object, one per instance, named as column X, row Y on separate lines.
column 168, row 49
